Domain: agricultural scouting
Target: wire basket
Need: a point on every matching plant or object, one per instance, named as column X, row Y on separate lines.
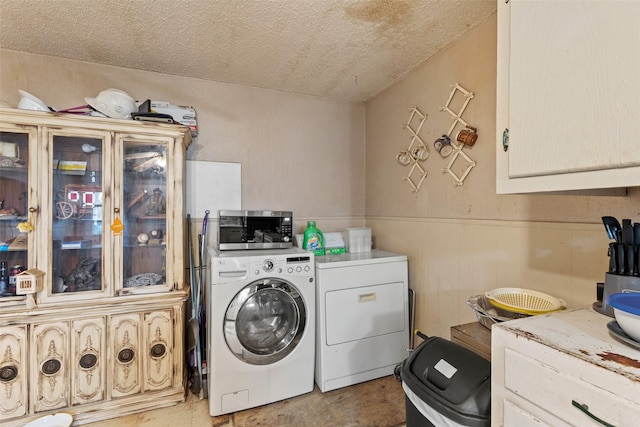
column 524, row 301
column 487, row 314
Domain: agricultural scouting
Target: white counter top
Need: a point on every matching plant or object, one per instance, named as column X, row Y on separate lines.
column 563, row 369
column 581, row 333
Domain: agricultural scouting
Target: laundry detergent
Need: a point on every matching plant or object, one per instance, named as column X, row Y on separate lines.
column 313, row 239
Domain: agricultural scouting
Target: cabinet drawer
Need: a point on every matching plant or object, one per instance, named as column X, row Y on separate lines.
column 514, row 415
column 553, row 391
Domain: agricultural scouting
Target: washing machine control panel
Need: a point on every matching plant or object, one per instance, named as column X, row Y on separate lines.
column 293, row 265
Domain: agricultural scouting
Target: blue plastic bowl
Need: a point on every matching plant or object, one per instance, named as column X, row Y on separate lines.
column 626, row 301
column 626, row 308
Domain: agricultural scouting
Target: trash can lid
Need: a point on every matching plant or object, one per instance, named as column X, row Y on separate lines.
column 451, row 379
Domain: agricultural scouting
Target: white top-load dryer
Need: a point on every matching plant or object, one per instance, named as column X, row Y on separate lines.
column 362, row 317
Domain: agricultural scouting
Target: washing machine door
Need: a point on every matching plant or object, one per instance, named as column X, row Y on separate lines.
column 265, row 321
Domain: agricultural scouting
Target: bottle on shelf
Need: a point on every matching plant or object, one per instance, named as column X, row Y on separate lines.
column 4, row 278
column 313, row 239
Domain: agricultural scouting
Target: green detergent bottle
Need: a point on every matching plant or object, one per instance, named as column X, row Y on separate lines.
column 313, row 239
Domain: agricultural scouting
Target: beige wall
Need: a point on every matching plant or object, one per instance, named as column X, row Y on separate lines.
column 299, row 153
column 462, row 241
column 471, row 62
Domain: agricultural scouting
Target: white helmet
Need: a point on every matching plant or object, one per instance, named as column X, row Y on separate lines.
column 113, row 103
column 30, row 102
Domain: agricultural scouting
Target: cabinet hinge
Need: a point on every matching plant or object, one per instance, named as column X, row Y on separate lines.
column 505, row 139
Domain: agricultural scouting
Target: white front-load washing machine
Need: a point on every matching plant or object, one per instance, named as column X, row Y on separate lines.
column 260, row 327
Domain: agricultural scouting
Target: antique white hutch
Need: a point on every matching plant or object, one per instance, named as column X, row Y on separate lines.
column 95, row 207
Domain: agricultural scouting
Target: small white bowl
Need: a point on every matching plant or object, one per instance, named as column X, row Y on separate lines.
column 626, row 308
column 58, row 420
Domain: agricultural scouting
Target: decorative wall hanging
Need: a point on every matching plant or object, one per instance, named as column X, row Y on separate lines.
column 416, row 152
column 465, row 137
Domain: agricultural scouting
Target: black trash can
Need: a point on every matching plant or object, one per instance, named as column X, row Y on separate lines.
column 446, row 385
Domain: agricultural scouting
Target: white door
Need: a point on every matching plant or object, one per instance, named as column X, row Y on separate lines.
column 574, row 86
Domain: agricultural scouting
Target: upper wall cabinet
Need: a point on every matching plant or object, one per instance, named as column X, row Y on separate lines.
column 568, row 95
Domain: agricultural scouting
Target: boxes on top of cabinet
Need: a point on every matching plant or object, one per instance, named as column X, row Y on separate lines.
column 181, row 114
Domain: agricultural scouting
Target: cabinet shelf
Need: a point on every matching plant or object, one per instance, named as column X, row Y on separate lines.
column 19, row 171
column 147, row 176
column 68, row 247
column 12, row 298
column 4, row 248
column 151, row 217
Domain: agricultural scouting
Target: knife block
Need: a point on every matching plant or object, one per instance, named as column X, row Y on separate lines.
column 614, row 284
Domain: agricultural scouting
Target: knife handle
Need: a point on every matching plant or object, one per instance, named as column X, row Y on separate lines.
column 631, row 260
column 613, row 258
column 621, row 259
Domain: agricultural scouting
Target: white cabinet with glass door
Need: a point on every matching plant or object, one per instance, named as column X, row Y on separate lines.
column 94, row 209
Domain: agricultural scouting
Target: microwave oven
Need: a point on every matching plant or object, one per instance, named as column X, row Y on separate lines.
column 239, row 229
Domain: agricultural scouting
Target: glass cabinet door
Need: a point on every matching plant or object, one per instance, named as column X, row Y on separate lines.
column 77, row 183
column 15, row 170
column 144, row 214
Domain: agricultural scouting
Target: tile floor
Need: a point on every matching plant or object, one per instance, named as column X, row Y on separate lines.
column 376, row 403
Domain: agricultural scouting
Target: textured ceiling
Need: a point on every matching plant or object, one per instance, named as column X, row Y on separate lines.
column 346, row 49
